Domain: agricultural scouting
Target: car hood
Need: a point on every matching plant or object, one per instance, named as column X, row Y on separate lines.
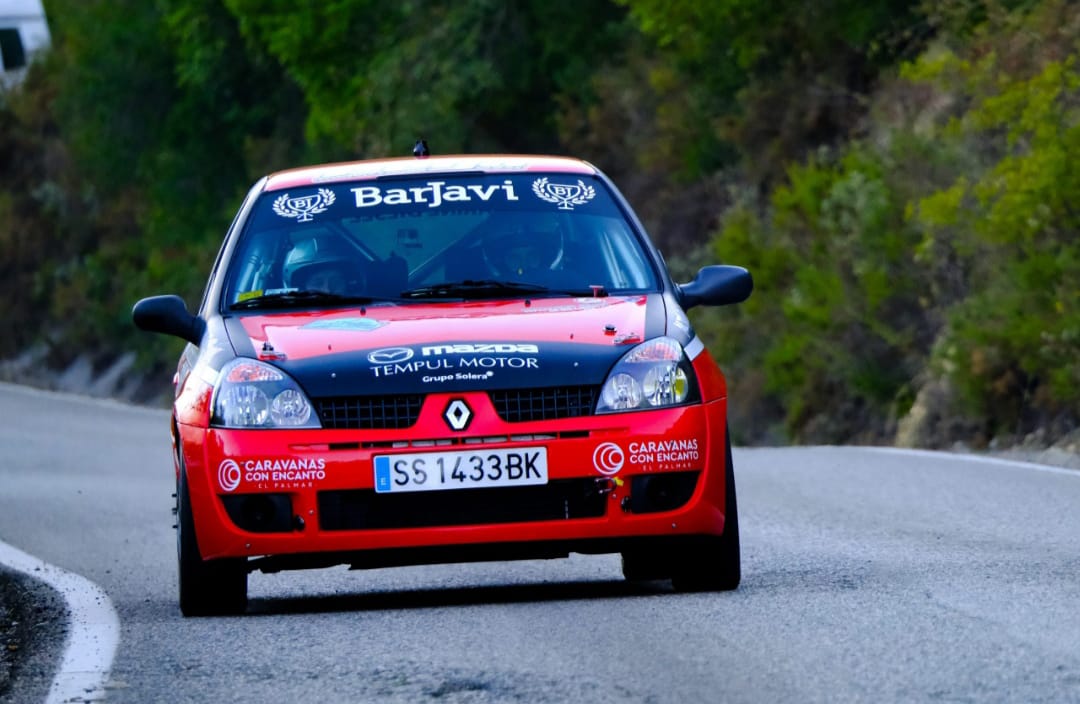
column 449, row 347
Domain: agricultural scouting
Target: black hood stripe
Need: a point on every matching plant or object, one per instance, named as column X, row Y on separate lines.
column 655, row 317
column 239, row 337
column 438, row 368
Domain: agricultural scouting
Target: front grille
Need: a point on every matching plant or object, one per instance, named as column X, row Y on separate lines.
column 369, row 412
column 403, row 410
column 551, row 403
column 363, row 509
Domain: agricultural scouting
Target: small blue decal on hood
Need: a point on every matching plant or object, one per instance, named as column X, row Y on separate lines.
column 350, row 324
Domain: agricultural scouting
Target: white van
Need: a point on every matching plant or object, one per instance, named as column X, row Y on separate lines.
column 23, row 33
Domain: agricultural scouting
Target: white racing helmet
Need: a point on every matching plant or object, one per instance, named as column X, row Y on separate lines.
column 309, row 256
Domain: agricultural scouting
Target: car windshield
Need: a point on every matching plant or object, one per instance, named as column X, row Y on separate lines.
column 462, row 236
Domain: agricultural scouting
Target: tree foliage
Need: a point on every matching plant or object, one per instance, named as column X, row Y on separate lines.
column 167, row 116
column 900, row 177
column 945, row 245
column 1013, row 343
column 473, row 76
column 770, row 80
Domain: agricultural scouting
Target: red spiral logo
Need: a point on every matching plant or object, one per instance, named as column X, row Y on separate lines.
column 608, row 458
column 228, row 475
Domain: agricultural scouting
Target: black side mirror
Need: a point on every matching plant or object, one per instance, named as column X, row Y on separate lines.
column 716, row 285
column 168, row 315
column 12, row 51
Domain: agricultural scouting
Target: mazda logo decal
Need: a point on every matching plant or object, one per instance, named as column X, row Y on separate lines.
column 390, row 355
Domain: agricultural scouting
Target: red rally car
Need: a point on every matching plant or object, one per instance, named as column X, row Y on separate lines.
column 443, row 359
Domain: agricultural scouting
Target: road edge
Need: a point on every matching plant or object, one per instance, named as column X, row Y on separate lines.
column 33, row 627
column 93, row 628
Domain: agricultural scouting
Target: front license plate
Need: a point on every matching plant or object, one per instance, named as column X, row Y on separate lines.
column 464, row 469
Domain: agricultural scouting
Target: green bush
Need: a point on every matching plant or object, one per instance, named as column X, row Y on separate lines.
column 835, row 311
column 1013, row 344
column 945, row 245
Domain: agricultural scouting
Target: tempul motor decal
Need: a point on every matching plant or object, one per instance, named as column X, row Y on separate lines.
column 475, row 360
column 435, row 365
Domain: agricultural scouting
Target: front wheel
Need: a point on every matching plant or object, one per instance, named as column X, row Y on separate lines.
column 207, row 587
column 695, row 563
column 711, row 563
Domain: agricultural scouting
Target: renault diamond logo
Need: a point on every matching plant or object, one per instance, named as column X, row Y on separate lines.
column 390, row 355
column 457, row 414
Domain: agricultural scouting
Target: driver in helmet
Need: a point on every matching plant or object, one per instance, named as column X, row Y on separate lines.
column 314, row 265
column 528, row 250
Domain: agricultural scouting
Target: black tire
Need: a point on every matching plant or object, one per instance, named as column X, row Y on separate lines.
column 207, row 587
column 697, row 563
column 646, row 564
column 711, row 563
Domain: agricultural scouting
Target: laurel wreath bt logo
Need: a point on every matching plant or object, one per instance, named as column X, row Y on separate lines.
column 304, row 208
column 565, row 195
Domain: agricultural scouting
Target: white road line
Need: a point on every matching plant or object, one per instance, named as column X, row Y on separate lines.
column 999, row 461
column 93, row 631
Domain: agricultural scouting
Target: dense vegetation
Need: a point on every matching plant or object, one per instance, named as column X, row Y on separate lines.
column 901, row 178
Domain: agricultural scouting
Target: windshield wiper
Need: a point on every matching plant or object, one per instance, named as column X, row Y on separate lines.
column 469, row 288
column 289, row 299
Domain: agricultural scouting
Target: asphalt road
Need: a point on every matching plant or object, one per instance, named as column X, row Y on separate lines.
column 868, row 577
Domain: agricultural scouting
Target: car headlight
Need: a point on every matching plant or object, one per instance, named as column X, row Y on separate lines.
column 655, row 374
column 253, row 394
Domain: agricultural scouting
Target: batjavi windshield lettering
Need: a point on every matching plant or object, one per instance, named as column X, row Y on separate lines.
column 433, row 193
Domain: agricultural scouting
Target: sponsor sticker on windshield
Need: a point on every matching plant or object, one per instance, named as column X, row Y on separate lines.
column 304, row 208
column 565, row 195
column 433, row 194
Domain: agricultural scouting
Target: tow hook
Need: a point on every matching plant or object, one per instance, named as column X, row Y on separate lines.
column 607, row 485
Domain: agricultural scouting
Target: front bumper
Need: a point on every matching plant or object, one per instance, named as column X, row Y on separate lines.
column 300, row 498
